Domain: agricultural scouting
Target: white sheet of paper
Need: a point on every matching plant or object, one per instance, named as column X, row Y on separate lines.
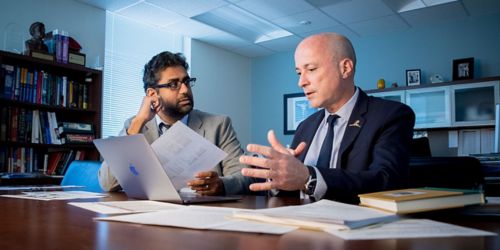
column 40, row 188
column 320, row 214
column 199, row 217
column 408, row 228
column 125, row 207
column 56, row 195
column 493, row 200
column 182, row 153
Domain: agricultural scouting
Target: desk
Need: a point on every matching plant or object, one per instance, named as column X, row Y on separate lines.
column 30, row 224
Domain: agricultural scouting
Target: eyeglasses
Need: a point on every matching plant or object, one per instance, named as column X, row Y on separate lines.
column 176, row 84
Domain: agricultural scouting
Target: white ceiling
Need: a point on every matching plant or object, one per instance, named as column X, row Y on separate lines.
column 200, row 19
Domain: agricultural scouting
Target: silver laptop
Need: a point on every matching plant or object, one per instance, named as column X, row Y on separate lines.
column 139, row 172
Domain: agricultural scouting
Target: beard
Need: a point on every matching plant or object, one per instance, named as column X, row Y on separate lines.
column 179, row 109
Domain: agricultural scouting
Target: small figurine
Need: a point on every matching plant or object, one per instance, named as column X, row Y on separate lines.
column 37, row 32
column 394, row 85
column 380, row 84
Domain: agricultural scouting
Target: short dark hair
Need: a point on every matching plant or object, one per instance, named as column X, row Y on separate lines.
column 159, row 63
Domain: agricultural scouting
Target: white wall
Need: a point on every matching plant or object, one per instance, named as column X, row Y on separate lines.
column 223, row 85
column 83, row 22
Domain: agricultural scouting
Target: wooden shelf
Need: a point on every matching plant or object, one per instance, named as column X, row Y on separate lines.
column 86, row 78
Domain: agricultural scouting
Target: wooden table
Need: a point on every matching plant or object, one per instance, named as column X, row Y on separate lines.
column 31, row 224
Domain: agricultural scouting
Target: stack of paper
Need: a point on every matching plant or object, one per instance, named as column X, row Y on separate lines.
column 199, row 217
column 328, row 216
column 324, row 214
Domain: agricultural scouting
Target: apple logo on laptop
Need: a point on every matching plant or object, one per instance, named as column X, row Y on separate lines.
column 133, row 170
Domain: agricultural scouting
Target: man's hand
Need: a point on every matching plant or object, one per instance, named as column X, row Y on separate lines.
column 207, row 183
column 150, row 106
column 280, row 166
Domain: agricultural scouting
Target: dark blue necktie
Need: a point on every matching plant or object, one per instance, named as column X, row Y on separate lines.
column 325, row 153
column 163, row 128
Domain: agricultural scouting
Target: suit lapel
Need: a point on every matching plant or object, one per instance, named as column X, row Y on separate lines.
column 356, row 122
column 307, row 133
column 195, row 123
column 150, row 131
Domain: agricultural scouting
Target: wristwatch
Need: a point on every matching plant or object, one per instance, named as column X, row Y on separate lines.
column 311, row 182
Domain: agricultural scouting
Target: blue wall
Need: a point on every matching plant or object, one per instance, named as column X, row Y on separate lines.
column 431, row 49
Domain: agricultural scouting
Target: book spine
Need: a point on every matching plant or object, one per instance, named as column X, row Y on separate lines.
column 78, row 138
column 64, row 91
column 45, row 83
column 65, row 46
column 85, row 97
column 9, row 80
column 35, row 132
column 21, row 127
column 39, row 86
column 3, row 123
column 14, row 124
column 54, row 135
column 17, row 84
column 75, row 127
column 59, row 45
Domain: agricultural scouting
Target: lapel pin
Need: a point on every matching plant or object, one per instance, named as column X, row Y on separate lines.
column 355, row 124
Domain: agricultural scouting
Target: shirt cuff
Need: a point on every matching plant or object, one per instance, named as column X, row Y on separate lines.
column 321, row 187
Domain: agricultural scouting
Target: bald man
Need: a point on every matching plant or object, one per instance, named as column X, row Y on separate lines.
column 355, row 144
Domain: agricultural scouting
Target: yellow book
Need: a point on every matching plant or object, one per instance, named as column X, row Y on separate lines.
column 414, row 200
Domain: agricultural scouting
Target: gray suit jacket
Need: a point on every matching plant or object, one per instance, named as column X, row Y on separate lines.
column 218, row 130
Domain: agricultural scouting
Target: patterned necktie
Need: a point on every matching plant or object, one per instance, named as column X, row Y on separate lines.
column 163, row 128
column 325, row 154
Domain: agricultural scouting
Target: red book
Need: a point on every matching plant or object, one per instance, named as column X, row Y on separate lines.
column 54, row 159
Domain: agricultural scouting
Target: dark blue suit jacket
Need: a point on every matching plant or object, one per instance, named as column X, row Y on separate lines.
column 373, row 156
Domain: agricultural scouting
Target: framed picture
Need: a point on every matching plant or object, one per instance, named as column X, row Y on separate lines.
column 413, row 77
column 463, row 69
column 296, row 109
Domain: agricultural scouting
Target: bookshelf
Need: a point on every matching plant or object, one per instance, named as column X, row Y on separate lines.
column 32, row 91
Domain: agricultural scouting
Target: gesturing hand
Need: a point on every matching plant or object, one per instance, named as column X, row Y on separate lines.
column 280, row 166
column 207, row 183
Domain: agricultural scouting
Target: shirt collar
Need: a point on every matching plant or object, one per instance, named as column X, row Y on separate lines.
column 345, row 111
column 159, row 120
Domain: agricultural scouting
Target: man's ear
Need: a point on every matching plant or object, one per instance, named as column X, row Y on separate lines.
column 151, row 92
column 346, row 68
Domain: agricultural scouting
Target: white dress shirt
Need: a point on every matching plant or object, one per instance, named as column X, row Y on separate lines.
column 339, row 128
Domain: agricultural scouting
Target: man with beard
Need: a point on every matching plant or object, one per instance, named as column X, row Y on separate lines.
column 169, row 99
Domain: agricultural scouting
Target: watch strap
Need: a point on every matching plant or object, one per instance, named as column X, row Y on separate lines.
column 310, row 186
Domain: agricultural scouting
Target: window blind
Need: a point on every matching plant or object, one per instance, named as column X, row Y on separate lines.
column 129, row 46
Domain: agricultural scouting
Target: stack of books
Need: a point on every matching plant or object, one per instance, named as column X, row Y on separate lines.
column 421, row 199
column 73, row 132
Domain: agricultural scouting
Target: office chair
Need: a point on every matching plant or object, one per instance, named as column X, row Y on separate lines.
column 83, row 173
column 420, row 147
column 447, row 172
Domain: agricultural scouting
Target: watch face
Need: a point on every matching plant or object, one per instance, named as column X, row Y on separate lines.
column 311, row 186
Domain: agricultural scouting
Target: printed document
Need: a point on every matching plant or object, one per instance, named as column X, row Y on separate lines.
column 40, row 188
column 182, row 153
column 408, row 228
column 125, row 207
column 56, row 195
column 319, row 215
column 201, row 217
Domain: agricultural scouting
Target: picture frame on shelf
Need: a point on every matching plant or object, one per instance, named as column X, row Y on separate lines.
column 296, row 109
column 413, row 77
column 463, row 69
